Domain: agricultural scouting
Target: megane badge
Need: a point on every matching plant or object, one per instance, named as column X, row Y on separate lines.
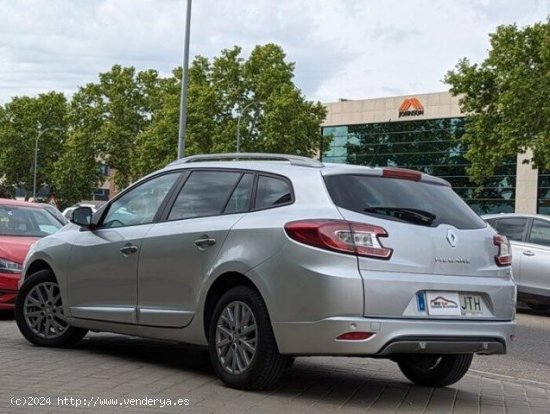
column 451, row 238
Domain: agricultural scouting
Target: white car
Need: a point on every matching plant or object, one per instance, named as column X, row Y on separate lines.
column 529, row 235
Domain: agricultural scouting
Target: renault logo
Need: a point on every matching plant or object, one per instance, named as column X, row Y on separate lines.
column 451, row 238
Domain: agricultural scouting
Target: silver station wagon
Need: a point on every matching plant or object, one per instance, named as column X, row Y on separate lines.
column 264, row 257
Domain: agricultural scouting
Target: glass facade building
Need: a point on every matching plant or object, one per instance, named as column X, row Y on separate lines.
column 423, row 133
column 543, row 192
column 430, row 146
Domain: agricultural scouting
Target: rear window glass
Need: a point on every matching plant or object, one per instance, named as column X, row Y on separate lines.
column 414, row 202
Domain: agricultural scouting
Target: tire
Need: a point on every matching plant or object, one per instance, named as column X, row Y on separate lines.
column 257, row 370
column 39, row 303
column 435, row 370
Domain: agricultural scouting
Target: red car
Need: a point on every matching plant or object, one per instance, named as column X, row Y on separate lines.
column 21, row 224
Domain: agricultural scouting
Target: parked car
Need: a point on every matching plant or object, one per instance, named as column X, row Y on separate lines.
column 274, row 256
column 529, row 236
column 55, row 212
column 21, row 224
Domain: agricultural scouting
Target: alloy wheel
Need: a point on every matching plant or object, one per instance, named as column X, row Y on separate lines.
column 236, row 337
column 43, row 311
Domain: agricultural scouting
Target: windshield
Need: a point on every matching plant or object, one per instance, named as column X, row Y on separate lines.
column 414, row 202
column 27, row 221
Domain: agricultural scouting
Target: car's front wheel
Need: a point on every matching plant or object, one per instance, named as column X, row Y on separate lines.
column 241, row 341
column 39, row 313
column 435, row 370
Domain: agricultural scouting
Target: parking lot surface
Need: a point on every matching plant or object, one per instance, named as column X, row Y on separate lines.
column 109, row 373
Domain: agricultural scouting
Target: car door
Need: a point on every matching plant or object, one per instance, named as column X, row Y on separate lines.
column 102, row 281
column 535, row 259
column 179, row 252
column 514, row 228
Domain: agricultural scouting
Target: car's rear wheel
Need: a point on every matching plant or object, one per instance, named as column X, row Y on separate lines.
column 435, row 370
column 241, row 341
column 39, row 313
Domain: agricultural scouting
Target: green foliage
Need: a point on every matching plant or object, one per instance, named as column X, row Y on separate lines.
column 21, row 122
column 129, row 120
column 274, row 114
column 507, row 99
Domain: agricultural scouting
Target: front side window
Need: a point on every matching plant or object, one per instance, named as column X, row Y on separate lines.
column 512, row 228
column 272, row 192
column 540, row 233
column 205, row 193
column 140, row 204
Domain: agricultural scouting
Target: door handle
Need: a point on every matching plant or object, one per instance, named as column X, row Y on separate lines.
column 205, row 242
column 128, row 250
column 528, row 253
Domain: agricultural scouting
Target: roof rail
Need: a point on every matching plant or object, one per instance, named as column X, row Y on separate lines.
column 292, row 159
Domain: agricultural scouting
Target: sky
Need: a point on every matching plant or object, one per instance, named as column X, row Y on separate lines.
column 352, row 49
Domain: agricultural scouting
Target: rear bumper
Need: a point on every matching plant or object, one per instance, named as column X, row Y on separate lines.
column 394, row 336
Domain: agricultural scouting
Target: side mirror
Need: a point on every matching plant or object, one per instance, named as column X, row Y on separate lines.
column 82, row 216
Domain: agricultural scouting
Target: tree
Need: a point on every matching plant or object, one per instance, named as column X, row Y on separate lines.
column 256, row 96
column 108, row 116
column 507, row 99
column 21, row 121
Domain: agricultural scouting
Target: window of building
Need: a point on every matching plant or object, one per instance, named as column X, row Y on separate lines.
column 543, row 202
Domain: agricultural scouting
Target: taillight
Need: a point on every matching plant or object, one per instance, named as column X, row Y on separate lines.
column 504, row 256
column 341, row 236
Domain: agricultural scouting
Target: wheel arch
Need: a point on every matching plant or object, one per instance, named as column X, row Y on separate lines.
column 37, row 265
column 221, row 285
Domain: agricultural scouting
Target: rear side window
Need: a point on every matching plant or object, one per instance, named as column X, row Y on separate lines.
column 512, row 228
column 239, row 201
column 540, row 233
column 205, row 193
column 272, row 192
column 414, row 202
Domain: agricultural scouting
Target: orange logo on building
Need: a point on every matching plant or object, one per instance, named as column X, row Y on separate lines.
column 411, row 107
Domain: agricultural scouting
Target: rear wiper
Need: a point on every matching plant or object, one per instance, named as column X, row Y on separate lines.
column 406, row 214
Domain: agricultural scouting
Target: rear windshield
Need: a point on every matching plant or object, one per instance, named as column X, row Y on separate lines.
column 413, row 202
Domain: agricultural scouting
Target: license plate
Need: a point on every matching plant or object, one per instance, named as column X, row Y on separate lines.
column 471, row 304
column 453, row 303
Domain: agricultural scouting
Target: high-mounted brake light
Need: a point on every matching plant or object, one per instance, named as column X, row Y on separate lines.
column 402, row 173
column 504, row 256
column 341, row 236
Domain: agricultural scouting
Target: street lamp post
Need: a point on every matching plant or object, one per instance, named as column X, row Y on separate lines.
column 239, row 125
column 184, row 86
column 36, row 158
